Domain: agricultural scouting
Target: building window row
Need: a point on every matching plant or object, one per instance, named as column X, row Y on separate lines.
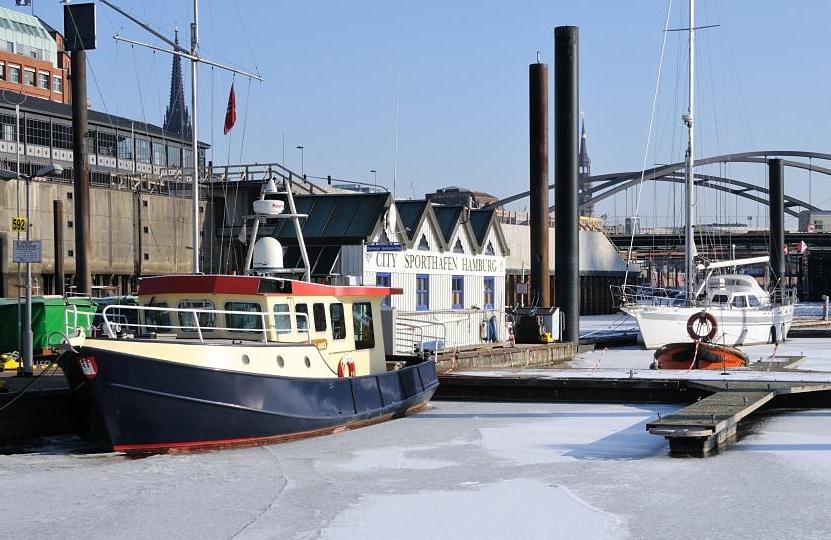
column 39, row 132
column 37, row 79
column 24, row 28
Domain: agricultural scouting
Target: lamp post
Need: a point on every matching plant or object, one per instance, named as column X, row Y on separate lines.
column 374, row 178
column 302, row 164
column 28, row 352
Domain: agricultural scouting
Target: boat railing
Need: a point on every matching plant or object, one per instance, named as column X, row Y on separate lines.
column 113, row 328
column 71, row 316
column 783, row 296
column 641, row 295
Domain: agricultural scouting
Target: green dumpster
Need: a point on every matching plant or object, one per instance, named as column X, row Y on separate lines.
column 49, row 314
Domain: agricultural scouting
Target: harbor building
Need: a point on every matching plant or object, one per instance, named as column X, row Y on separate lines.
column 33, row 61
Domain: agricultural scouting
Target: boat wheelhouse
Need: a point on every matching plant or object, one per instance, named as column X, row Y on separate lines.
column 226, row 360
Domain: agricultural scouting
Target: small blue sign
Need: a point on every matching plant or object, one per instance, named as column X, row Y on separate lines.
column 387, row 246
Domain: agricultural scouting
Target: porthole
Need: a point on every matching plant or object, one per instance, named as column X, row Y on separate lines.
column 308, row 362
column 280, row 361
column 245, row 359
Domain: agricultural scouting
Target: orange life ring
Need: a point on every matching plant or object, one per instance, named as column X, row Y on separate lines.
column 699, row 318
column 346, row 367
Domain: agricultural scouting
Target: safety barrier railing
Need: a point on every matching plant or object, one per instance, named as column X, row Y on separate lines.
column 113, row 329
column 446, row 329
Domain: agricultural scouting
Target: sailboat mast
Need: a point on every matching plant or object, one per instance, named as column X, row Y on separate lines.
column 194, row 46
column 689, row 238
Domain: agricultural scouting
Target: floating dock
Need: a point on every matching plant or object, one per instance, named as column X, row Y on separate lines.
column 712, row 423
column 717, row 402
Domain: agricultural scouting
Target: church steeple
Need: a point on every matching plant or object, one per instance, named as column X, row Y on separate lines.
column 585, row 163
column 584, row 172
column 176, row 117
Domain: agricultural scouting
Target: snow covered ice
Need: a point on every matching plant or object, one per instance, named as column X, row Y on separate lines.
column 457, row 470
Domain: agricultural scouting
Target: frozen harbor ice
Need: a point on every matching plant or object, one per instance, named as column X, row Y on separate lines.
column 457, row 470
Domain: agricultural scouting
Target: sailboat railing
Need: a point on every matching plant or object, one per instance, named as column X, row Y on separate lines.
column 642, row 295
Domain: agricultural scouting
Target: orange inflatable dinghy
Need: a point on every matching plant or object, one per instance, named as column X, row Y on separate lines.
column 708, row 356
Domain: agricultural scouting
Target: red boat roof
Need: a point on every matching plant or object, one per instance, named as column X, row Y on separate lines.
column 222, row 284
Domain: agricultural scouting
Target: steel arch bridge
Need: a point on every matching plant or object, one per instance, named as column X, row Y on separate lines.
column 596, row 188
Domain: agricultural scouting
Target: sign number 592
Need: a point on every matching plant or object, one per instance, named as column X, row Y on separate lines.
column 19, row 223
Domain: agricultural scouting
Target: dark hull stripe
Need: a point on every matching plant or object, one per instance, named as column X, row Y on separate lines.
column 207, row 402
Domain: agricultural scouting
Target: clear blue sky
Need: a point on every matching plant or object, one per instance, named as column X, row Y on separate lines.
column 333, row 70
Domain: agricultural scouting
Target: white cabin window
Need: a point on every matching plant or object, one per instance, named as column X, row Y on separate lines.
column 301, row 315
column 206, row 320
column 362, row 325
column 319, row 314
column 719, row 299
column 740, row 301
column 282, row 319
column 754, row 301
column 338, row 321
column 241, row 322
column 156, row 321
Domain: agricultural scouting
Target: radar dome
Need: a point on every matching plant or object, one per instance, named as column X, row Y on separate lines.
column 268, row 254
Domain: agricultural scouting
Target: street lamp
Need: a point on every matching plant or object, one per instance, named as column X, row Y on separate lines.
column 48, row 170
column 375, row 177
column 302, row 164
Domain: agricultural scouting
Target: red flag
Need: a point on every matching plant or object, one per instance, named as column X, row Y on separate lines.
column 231, row 112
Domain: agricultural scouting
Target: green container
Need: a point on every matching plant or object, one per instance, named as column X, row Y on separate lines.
column 49, row 314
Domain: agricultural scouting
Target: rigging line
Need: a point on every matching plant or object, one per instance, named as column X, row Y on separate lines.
column 245, row 36
column 228, row 143
column 241, row 148
column 648, row 138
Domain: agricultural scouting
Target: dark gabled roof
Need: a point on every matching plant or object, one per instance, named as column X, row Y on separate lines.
column 410, row 212
column 335, row 218
column 448, row 217
column 479, row 223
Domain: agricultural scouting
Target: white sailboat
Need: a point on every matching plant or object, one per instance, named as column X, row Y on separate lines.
column 728, row 309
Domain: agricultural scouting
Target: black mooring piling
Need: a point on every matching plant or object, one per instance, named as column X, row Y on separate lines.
column 538, row 143
column 80, row 172
column 776, row 181
column 566, row 224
